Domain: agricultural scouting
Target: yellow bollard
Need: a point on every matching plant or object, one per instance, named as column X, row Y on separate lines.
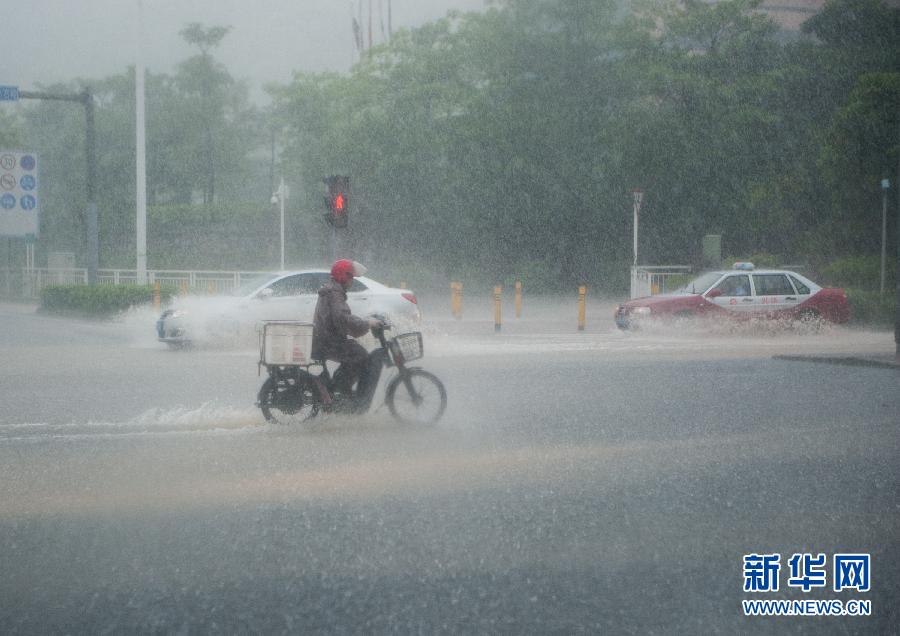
column 518, row 299
column 456, row 300
column 156, row 299
column 402, row 284
column 183, row 288
column 498, row 290
column 582, row 292
column 210, row 288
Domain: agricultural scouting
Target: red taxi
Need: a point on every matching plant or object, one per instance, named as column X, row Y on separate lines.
column 743, row 292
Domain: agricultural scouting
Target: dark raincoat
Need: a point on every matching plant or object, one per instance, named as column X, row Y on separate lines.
column 332, row 323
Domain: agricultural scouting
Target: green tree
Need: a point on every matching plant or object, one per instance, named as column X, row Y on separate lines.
column 861, row 148
column 207, row 82
column 11, row 133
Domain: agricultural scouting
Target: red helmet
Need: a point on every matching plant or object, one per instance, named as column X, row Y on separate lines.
column 344, row 270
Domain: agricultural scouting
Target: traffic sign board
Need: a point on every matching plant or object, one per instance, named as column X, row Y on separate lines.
column 9, row 93
column 19, row 197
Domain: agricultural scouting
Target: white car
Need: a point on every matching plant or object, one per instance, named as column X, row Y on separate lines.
column 278, row 296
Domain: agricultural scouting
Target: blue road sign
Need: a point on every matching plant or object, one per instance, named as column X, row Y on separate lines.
column 9, row 93
column 27, row 182
column 27, row 162
column 28, row 202
column 7, row 201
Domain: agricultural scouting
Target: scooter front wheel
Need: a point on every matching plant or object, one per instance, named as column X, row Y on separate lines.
column 288, row 401
column 416, row 397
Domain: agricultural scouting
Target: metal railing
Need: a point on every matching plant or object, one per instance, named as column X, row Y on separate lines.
column 27, row 283
column 648, row 280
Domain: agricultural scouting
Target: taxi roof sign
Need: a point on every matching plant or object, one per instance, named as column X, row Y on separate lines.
column 744, row 265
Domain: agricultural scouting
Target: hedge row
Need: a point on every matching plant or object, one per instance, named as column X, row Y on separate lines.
column 871, row 308
column 99, row 300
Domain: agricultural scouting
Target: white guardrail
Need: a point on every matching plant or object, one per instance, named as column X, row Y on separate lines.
column 27, row 283
column 647, row 280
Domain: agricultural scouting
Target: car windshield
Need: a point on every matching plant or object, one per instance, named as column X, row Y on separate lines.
column 701, row 283
column 251, row 284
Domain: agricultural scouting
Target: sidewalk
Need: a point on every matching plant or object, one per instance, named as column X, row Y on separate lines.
column 16, row 307
column 880, row 360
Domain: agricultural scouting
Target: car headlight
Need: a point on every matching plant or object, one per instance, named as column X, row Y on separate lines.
column 641, row 311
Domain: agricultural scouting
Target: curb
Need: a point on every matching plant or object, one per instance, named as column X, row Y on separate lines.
column 850, row 361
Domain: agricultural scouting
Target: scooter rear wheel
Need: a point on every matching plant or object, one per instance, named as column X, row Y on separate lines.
column 288, row 401
column 424, row 405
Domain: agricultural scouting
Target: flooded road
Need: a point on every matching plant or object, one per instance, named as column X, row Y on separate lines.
column 579, row 482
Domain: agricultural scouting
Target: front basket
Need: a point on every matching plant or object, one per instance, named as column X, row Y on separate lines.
column 410, row 345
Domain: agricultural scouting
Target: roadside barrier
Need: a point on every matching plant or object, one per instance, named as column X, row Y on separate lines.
column 456, row 292
column 518, row 299
column 582, row 292
column 498, row 291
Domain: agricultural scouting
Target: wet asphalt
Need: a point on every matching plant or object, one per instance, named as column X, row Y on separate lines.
column 610, row 484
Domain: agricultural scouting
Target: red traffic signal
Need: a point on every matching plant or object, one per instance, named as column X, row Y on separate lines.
column 338, row 199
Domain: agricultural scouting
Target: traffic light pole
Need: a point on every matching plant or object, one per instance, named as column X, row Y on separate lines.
column 92, row 232
column 897, row 267
column 333, row 243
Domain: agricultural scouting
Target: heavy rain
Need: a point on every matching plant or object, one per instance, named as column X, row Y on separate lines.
column 650, row 249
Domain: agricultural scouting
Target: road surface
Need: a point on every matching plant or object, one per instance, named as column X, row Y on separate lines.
column 579, row 483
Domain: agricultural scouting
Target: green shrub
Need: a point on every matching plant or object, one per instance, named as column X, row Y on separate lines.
column 99, row 300
column 859, row 272
column 870, row 307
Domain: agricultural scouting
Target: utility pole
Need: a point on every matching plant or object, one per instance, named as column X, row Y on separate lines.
column 278, row 197
column 885, row 185
column 638, row 199
column 897, row 267
column 140, row 154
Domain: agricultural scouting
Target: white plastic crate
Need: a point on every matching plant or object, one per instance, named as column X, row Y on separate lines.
column 284, row 343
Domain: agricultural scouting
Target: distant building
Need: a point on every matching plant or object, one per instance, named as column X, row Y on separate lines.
column 791, row 14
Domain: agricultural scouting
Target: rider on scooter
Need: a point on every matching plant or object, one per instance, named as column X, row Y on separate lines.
column 334, row 322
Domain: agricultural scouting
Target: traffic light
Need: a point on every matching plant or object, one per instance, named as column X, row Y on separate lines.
column 337, row 200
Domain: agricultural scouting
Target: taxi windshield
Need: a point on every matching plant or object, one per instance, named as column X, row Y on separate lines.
column 701, row 283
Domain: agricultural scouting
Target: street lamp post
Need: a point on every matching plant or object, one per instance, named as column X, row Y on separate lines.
column 278, row 197
column 885, row 186
column 638, row 199
column 140, row 154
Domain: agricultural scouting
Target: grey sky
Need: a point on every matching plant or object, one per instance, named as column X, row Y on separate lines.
column 54, row 40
